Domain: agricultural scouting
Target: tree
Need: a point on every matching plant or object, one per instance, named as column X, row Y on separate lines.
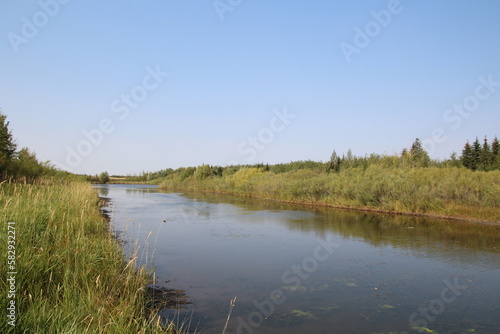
column 454, row 161
column 103, row 177
column 495, row 147
column 419, row 155
column 202, row 172
column 495, row 152
column 467, row 156
column 475, row 154
column 350, row 160
column 486, row 159
column 334, row 163
column 7, row 147
column 27, row 165
column 187, row 172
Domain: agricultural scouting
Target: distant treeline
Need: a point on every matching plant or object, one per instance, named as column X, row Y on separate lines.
column 481, row 157
column 409, row 182
column 23, row 164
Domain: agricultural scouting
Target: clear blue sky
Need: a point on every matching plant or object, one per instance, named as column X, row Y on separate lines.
column 67, row 67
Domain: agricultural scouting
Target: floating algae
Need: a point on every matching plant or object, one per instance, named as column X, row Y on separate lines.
column 301, row 288
column 423, row 329
column 386, row 307
column 297, row 316
column 303, row 314
column 347, row 282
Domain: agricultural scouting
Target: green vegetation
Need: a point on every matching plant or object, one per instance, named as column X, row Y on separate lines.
column 103, row 178
column 409, row 183
column 71, row 273
column 484, row 157
column 23, row 165
column 72, row 276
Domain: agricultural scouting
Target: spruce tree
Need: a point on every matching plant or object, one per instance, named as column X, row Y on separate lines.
column 476, row 154
column 467, row 156
column 495, row 151
column 418, row 154
column 495, row 147
column 486, row 159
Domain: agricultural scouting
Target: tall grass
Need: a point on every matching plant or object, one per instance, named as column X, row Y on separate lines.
column 448, row 192
column 72, row 276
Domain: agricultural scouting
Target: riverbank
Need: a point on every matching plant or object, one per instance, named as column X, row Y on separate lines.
column 453, row 193
column 70, row 274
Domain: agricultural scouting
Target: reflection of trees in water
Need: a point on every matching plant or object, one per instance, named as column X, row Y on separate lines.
column 141, row 190
column 378, row 229
column 103, row 191
column 399, row 230
column 196, row 209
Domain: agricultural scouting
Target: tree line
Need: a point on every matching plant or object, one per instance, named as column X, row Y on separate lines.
column 483, row 157
column 486, row 157
column 14, row 163
column 22, row 164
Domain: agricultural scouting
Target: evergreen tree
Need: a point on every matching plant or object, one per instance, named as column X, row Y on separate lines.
column 7, row 147
column 419, row 155
column 476, row 154
column 495, row 151
column 495, row 147
column 487, row 158
column 467, row 156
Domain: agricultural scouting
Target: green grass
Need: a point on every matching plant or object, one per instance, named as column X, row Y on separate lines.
column 72, row 276
column 437, row 191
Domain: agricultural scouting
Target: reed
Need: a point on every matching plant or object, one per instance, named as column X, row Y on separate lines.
column 72, row 276
column 435, row 191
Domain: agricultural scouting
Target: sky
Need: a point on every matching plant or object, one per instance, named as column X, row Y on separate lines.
column 132, row 86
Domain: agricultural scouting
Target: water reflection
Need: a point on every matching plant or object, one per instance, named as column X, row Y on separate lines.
column 375, row 228
column 386, row 267
column 102, row 190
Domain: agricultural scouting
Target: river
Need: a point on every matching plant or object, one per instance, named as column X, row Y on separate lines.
column 299, row 269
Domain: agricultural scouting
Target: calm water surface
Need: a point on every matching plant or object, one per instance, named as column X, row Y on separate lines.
column 297, row 269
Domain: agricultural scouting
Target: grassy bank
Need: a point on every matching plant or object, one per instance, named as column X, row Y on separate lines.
column 72, row 276
column 438, row 191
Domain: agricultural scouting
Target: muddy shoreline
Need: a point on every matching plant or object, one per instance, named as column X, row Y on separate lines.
column 158, row 297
